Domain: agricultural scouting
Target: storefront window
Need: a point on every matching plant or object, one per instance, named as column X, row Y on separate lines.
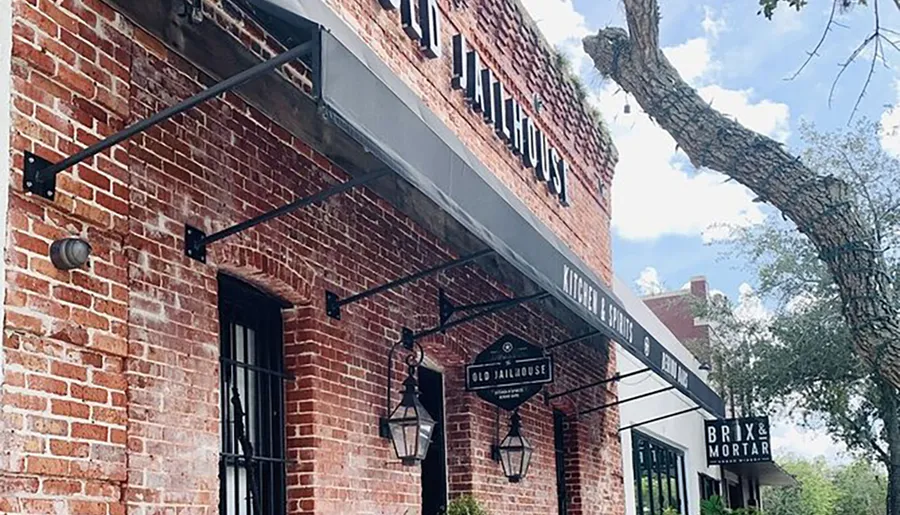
column 252, row 457
column 709, row 487
column 659, row 476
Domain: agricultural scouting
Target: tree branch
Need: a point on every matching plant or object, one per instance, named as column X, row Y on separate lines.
column 825, row 32
column 873, row 443
column 822, row 207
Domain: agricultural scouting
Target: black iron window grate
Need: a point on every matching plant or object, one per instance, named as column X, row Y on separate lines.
column 252, row 462
column 659, row 476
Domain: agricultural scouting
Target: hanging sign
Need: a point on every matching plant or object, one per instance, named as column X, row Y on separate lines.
column 738, row 440
column 509, row 372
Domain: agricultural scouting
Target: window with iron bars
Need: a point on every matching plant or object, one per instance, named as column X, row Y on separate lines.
column 252, row 453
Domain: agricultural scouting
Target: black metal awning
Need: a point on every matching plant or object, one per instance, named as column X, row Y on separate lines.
column 359, row 94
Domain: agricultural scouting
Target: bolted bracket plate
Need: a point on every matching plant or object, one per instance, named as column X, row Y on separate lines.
column 193, row 243
column 332, row 305
column 46, row 187
column 384, row 429
column 445, row 307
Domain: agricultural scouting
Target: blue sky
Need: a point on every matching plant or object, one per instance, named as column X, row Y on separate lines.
column 739, row 61
column 665, row 212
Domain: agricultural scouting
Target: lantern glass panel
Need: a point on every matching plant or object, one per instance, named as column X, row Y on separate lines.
column 411, row 429
column 426, row 430
column 515, row 456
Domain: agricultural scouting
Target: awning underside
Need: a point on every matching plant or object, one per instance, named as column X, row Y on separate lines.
column 766, row 473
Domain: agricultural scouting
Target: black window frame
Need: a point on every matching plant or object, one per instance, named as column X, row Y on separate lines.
column 664, row 468
column 257, row 372
column 709, row 487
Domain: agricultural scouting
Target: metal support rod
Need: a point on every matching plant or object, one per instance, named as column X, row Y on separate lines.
column 333, row 303
column 141, row 126
column 195, row 246
column 657, row 419
column 623, row 401
column 572, row 340
column 616, row 377
column 466, row 319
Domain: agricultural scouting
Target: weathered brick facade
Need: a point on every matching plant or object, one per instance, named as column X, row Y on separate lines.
column 110, row 378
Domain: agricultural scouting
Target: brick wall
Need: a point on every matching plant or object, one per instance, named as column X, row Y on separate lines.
column 110, row 400
column 505, row 39
column 677, row 310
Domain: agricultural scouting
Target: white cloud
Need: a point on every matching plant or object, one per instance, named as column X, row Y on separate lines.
column 789, row 438
column 765, row 116
column 787, row 20
column 649, row 282
column 890, row 126
column 801, row 302
column 656, row 192
column 749, row 306
column 690, row 58
column 561, row 24
column 712, row 25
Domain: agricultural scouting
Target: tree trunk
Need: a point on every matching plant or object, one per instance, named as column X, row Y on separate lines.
column 890, row 414
column 822, row 207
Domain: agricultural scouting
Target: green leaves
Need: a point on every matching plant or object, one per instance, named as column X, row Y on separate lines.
column 713, row 506
column 855, row 489
column 801, row 359
column 767, row 7
column 466, row 505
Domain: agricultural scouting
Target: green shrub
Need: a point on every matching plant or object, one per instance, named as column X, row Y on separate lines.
column 466, row 505
column 713, row 506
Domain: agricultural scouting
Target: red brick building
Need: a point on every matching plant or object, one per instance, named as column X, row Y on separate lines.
column 678, row 311
column 148, row 381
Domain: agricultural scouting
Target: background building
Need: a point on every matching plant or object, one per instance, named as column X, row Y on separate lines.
column 673, row 316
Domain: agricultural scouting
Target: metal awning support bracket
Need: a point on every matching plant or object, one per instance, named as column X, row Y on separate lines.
column 572, row 340
column 446, row 308
column 623, row 401
column 616, row 378
column 658, row 419
column 333, row 302
column 195, row 241
column 489, row 308
column 43, row 185
column 40, row 174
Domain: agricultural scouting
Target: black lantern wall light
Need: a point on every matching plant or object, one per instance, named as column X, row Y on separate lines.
column 409, row 426
column 515, row 451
